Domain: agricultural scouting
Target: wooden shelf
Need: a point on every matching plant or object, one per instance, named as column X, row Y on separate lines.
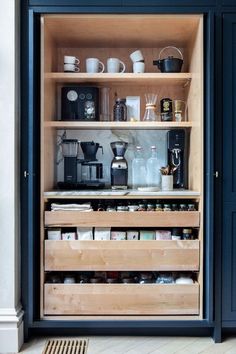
column 121, row 299
column 115, row 125
column 173, row 79
column 156, row 255
column 124, row 219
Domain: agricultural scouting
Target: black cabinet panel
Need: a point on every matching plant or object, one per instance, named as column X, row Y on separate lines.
column 229, row 170
column 109, row 3
column 175, row 3
column 229, row 108
column 229, row 263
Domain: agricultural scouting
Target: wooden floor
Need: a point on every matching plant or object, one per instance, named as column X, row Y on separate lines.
column 146, row 345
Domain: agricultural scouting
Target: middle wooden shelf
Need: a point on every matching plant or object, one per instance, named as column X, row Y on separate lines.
column 60, row 124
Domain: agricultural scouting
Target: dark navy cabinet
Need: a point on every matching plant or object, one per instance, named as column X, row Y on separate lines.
column 229, row 172
column 220, row 155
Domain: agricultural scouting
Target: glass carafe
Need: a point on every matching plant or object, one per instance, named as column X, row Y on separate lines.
column 138, row 169
column 153, row 169
column 150, row 109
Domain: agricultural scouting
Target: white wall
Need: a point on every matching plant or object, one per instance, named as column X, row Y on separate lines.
column 11, row 325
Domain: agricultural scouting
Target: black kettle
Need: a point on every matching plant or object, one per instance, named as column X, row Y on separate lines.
column 169, row 64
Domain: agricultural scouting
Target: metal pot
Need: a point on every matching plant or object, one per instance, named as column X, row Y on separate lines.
column 169, row 64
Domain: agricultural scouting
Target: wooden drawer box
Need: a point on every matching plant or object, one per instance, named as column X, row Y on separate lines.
column 124, row 219
column 121, row 299
column 121, row 255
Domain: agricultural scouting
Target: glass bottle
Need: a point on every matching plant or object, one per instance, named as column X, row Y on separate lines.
column 153, row 169
column 120, row 110
column 138, row 169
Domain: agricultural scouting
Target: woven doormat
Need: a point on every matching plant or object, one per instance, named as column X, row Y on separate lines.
column 66, row 346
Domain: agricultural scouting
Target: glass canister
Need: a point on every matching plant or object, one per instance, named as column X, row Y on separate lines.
column 120, row 110
column 105, row 104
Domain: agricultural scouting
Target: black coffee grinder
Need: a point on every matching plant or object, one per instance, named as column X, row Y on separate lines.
column 91, row 170
column 178, row 156
column 119, row 166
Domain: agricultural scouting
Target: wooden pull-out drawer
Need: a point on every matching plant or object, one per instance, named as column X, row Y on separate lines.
column 121, row 255
column 121, row 299
column 123, row 219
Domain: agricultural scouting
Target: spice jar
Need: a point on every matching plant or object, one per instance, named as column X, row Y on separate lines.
column 150, row 207
column 167, row 207
column 159, row 207
column 96, row 280
column 187, row 234
column 183, row 207
column 141, row 207
column 120, row 110
column 191, row 207
column 165, row 278
column 174, row 207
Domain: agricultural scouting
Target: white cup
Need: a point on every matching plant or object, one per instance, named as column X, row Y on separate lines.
column 71, row 68
column 136, row 56
column 93, row 65
column 138, row 67
column 68, row 59
column 115, row 65
column 167, row 182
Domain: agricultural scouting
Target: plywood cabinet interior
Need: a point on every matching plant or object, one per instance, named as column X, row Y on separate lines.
column 105, row 36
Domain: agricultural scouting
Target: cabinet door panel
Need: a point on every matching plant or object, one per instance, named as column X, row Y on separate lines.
column 229, row 263
column 229, row 168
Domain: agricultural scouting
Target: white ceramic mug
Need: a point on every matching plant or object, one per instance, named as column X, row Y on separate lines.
column 71, row 68
column 138, row 67
column 68, row 59
column 115, row 65
column 136, row 56
column 94, row 65
column 167, row 182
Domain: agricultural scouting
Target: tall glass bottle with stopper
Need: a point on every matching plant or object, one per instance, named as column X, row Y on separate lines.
column 150, row 114
column 138, row 169
column 153, row 169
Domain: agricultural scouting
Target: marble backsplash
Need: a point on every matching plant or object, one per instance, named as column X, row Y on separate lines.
column 144, row 138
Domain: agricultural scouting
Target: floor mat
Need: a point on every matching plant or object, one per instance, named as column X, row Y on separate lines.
column 66, row 346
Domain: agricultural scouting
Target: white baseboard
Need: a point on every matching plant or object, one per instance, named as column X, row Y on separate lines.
column 11, row 330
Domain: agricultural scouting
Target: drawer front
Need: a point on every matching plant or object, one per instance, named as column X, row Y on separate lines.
column 123, row 219
column 121, row 299
column 121, row 255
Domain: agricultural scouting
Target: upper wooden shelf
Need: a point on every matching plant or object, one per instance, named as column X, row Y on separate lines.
column 115, row 125
column 179, row 79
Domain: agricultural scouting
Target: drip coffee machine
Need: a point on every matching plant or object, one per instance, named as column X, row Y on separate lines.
column 119, row 166
column 91, row 170
column 178, row 156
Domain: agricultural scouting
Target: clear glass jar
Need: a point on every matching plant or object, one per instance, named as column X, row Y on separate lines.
column 183, row 207
column 159, row 207
column 191, row 207
column 150, row 207
column 167, row 207
column 120, row 110
column 174, row 207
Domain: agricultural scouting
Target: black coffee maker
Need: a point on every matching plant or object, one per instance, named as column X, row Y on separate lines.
column 91, row 170
column 177, row 148
column 119, row 166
